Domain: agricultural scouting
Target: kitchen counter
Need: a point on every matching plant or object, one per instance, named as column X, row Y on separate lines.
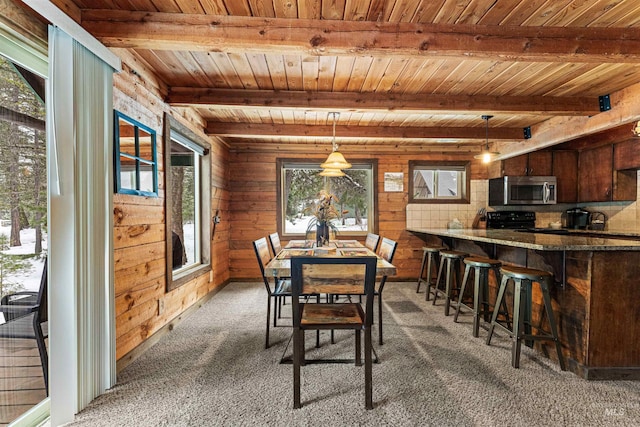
column 575, row 240
column 595, row 295
column 632, row 234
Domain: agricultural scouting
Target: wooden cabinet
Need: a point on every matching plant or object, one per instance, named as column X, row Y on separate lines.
column 565, row 169
column 516, row 166
column 626, row 155
column 599, row 182
column 537, row 163
column 494, row 169
column 596, row 174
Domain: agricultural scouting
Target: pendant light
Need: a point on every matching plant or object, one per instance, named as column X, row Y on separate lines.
column 333, row 173
column 335, row 160
column 486, row 156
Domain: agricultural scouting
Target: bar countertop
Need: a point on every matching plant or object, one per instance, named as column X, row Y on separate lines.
column 537, row 241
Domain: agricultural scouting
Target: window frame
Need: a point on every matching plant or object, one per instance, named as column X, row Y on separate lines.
column 441, row 165
column 176, row 279
column 280, row 207
column 117, row 154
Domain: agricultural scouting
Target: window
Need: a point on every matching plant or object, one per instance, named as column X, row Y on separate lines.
column 298, row 188
column 187, row 177
column 439, row 182
column 136, row 165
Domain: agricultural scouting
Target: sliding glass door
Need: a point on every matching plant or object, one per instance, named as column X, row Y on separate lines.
column 23, row 240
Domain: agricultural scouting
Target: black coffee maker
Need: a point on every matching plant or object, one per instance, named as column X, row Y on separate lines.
column 576, row 218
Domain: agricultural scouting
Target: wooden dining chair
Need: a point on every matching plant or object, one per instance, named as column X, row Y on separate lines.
column 274, row 241
column 387, row 251
column 276, row 247
column 333, row 275
column 371, row 242
column 279, row 289
column 29, row 322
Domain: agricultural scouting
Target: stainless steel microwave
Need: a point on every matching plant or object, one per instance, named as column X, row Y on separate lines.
column 522, row 190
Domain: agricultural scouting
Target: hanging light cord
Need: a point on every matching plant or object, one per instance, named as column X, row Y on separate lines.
column 333, row 141
column 487, row 134
column 486, row 118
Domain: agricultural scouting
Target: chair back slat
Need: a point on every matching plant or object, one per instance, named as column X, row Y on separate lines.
column 387, row 249
column 276, row 246
column 261, row 248
column 371, row 242
column 343, row 279
column 262, row 252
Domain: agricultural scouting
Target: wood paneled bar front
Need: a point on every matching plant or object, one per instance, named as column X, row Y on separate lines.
column 595, row 298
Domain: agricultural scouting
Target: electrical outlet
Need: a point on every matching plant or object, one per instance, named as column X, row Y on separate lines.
column 160, row 306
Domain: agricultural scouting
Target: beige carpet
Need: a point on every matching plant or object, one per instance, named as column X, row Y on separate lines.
column 212, row 370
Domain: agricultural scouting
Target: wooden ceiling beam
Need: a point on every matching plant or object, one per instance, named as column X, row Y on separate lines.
column 194, row 32
column 351, row 101
column 625, row 108
column 243, row 130
column 463, row 150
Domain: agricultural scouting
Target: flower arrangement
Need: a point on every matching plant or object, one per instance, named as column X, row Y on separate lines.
column 323, row 214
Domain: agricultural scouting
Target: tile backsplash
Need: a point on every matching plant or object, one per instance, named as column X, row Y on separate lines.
column 433, row 215
column 621, row 216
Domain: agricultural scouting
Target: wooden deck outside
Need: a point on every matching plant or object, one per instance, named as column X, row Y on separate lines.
column 21, row 381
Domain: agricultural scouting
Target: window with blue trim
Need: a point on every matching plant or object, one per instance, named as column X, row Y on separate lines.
column 136, row 163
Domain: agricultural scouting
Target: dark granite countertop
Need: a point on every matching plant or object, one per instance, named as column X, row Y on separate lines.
column 571, row 241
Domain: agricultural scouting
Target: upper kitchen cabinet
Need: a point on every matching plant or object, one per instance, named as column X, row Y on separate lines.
column 565, row 169
column 626, row 155
column 516, row 166
column 599, row 182
column 537, row 163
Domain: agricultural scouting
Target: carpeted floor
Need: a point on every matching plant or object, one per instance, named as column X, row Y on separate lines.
column 213, row 370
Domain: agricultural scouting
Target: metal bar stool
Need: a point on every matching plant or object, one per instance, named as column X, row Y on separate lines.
column 481, row 268
column 523, row 278
column 449, row 260
column 430, row 260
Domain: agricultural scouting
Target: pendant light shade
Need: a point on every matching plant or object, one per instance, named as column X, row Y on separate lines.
column 486, row 156
column 330, row 172
column 336, row 160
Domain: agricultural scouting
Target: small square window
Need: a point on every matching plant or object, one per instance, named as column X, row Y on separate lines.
column 136, row 165
column 439, row 182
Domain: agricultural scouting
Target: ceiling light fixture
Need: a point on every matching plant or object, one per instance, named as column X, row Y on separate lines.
column 486, row 156
column 333, row 173
column 335, row 160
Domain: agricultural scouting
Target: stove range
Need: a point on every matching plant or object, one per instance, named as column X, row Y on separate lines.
column 512, row 220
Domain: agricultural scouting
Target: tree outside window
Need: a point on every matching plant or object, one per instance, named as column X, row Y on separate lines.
column 188, row 195
column 184, row 194
column 23, row 180
column 300, row 185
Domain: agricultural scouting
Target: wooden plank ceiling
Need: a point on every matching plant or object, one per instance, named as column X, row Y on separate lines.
column 404, row 74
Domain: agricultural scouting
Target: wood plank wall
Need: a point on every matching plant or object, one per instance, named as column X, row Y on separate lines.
column 253, row 206
column 143, row 306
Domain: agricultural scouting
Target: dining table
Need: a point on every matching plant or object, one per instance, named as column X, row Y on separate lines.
column 280, row 265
